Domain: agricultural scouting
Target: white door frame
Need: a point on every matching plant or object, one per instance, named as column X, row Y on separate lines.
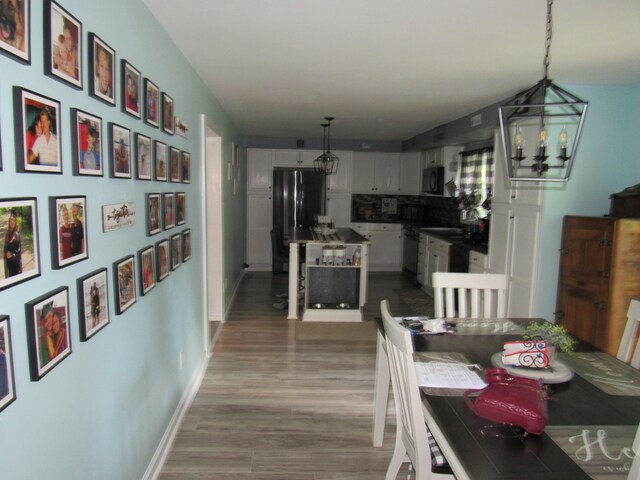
column 214, row 225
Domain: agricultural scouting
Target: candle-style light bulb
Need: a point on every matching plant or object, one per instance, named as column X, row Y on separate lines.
column 543, row 138
column 564, row 140
column 518, row 141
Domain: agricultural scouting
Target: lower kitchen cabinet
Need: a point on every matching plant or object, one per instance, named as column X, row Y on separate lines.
column 477, row 262
column 599, row 275
column 385, row 251
column 436, row 259
column 339, row 208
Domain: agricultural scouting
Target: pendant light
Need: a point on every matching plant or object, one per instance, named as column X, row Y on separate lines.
column 542, row 123
column 327, row 162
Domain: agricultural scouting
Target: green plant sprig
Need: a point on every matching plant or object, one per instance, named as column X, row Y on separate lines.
column 553, row 334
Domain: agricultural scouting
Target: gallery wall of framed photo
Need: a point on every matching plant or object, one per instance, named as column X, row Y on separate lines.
column 101, row 219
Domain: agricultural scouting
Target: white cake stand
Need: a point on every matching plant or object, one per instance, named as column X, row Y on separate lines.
column 558, row 372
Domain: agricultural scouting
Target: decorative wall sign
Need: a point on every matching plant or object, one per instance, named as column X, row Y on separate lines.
column 48, row 321
column 19, row 230
column 118, row 215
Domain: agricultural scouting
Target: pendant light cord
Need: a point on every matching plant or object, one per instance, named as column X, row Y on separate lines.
column 547, row 42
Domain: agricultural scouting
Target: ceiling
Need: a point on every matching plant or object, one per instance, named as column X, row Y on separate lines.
column 389, row 70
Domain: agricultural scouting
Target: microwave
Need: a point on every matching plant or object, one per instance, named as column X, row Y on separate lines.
column 433, row 180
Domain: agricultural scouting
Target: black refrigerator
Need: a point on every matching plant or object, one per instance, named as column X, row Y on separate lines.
column 298, row 195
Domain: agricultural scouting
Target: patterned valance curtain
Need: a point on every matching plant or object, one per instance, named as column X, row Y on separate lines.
column 476, row 180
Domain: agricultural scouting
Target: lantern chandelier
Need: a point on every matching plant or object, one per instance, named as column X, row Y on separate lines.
column 327, row 162
column 536, row 116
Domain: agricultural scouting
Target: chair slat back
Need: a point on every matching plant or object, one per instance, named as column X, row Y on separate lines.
column 406, row 392
column 634, row 471
column 629, row 350
column 479, row 295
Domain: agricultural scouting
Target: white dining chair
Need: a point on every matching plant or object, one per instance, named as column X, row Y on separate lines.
column 634, row 472
column 478, row 295
column 629, row 350
column 412, row 437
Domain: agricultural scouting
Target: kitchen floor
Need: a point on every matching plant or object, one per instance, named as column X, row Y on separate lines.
column 274, row 407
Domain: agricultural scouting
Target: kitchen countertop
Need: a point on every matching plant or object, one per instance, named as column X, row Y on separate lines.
column 455, row 235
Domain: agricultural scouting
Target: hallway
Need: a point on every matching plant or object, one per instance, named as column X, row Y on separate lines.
column 273, row 407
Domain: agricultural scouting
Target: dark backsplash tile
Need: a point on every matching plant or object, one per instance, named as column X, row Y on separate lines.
column 389, row 209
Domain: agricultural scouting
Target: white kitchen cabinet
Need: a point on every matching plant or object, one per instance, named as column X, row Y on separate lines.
column 259, row 169
column 422, row 253
column 440, row 156
column 294, row 158
column 477, row 262
column 376, row 172
column 259, row 221
column 341, row 180
column 436, row 260
column 410, row 173
column 339, row 208
column 385, row 251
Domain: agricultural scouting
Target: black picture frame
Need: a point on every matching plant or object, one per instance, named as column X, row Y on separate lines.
column 176, row 250
column 181, row 208
column 186, row 245
column 131, row 89
column 35, row 153
column 151, row 103
column 68, row 222
column 7, row 375
column 86, row 144
column 48, row 331
column 120, row 151
column 124, row 277
column 168, row 210
column 161, row 165
column 93, row 303
column 154, row 212
column 147, row 270
column 102, row 70
column 25, row 262
column 14, row 44
column 63, row 53
column 162, row 259
column 186, row 167
column 174, row 165
column 143, row 157
column 168, row 118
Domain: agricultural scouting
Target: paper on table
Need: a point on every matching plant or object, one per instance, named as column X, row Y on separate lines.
column 447, row 375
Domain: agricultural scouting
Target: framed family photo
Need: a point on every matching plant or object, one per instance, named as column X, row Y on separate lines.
column 143, row 157
column 62, row 45
column 160, row 152
column 154, row 210
column 174, row 164
column 176, row 251
column 151, row 103
column 93, row 303
column 181, row 208
column 125, row 283
column 120, row 149
column 86, row 143
column 131, row 83
column 168, row 125
column 68, row 230
column 162, row 259
column 147, row 263
column 186, row 244
column 168, row 210
column 37, row 132
column 186, row 167
column 48, row 335
column 19, row 230
column 102, row 70
column 15, row 40
column 7, row 379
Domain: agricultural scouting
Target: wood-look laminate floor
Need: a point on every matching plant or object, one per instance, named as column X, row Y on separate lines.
column 273, row 407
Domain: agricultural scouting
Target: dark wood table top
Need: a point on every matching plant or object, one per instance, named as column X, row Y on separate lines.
column 576, row 402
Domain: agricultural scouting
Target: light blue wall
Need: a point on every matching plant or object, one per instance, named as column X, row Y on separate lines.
column 607, row 161
column 101, row 412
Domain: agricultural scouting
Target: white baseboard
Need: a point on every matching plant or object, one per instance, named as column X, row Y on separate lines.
column 160, row 456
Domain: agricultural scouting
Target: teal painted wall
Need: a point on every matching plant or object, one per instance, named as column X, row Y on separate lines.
column 101, row 413
column 607, row 161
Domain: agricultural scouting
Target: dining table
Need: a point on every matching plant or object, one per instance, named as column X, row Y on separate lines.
column 592, row 417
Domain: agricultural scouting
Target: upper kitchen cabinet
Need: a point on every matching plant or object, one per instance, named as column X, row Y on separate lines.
column 341, row 180
column 376, row 172
column 295, row 158
column 259, row 169
column 410, row 173
column 440, row 157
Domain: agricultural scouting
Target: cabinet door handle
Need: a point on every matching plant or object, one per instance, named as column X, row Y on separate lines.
column 600, row 305
column 603, row 274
